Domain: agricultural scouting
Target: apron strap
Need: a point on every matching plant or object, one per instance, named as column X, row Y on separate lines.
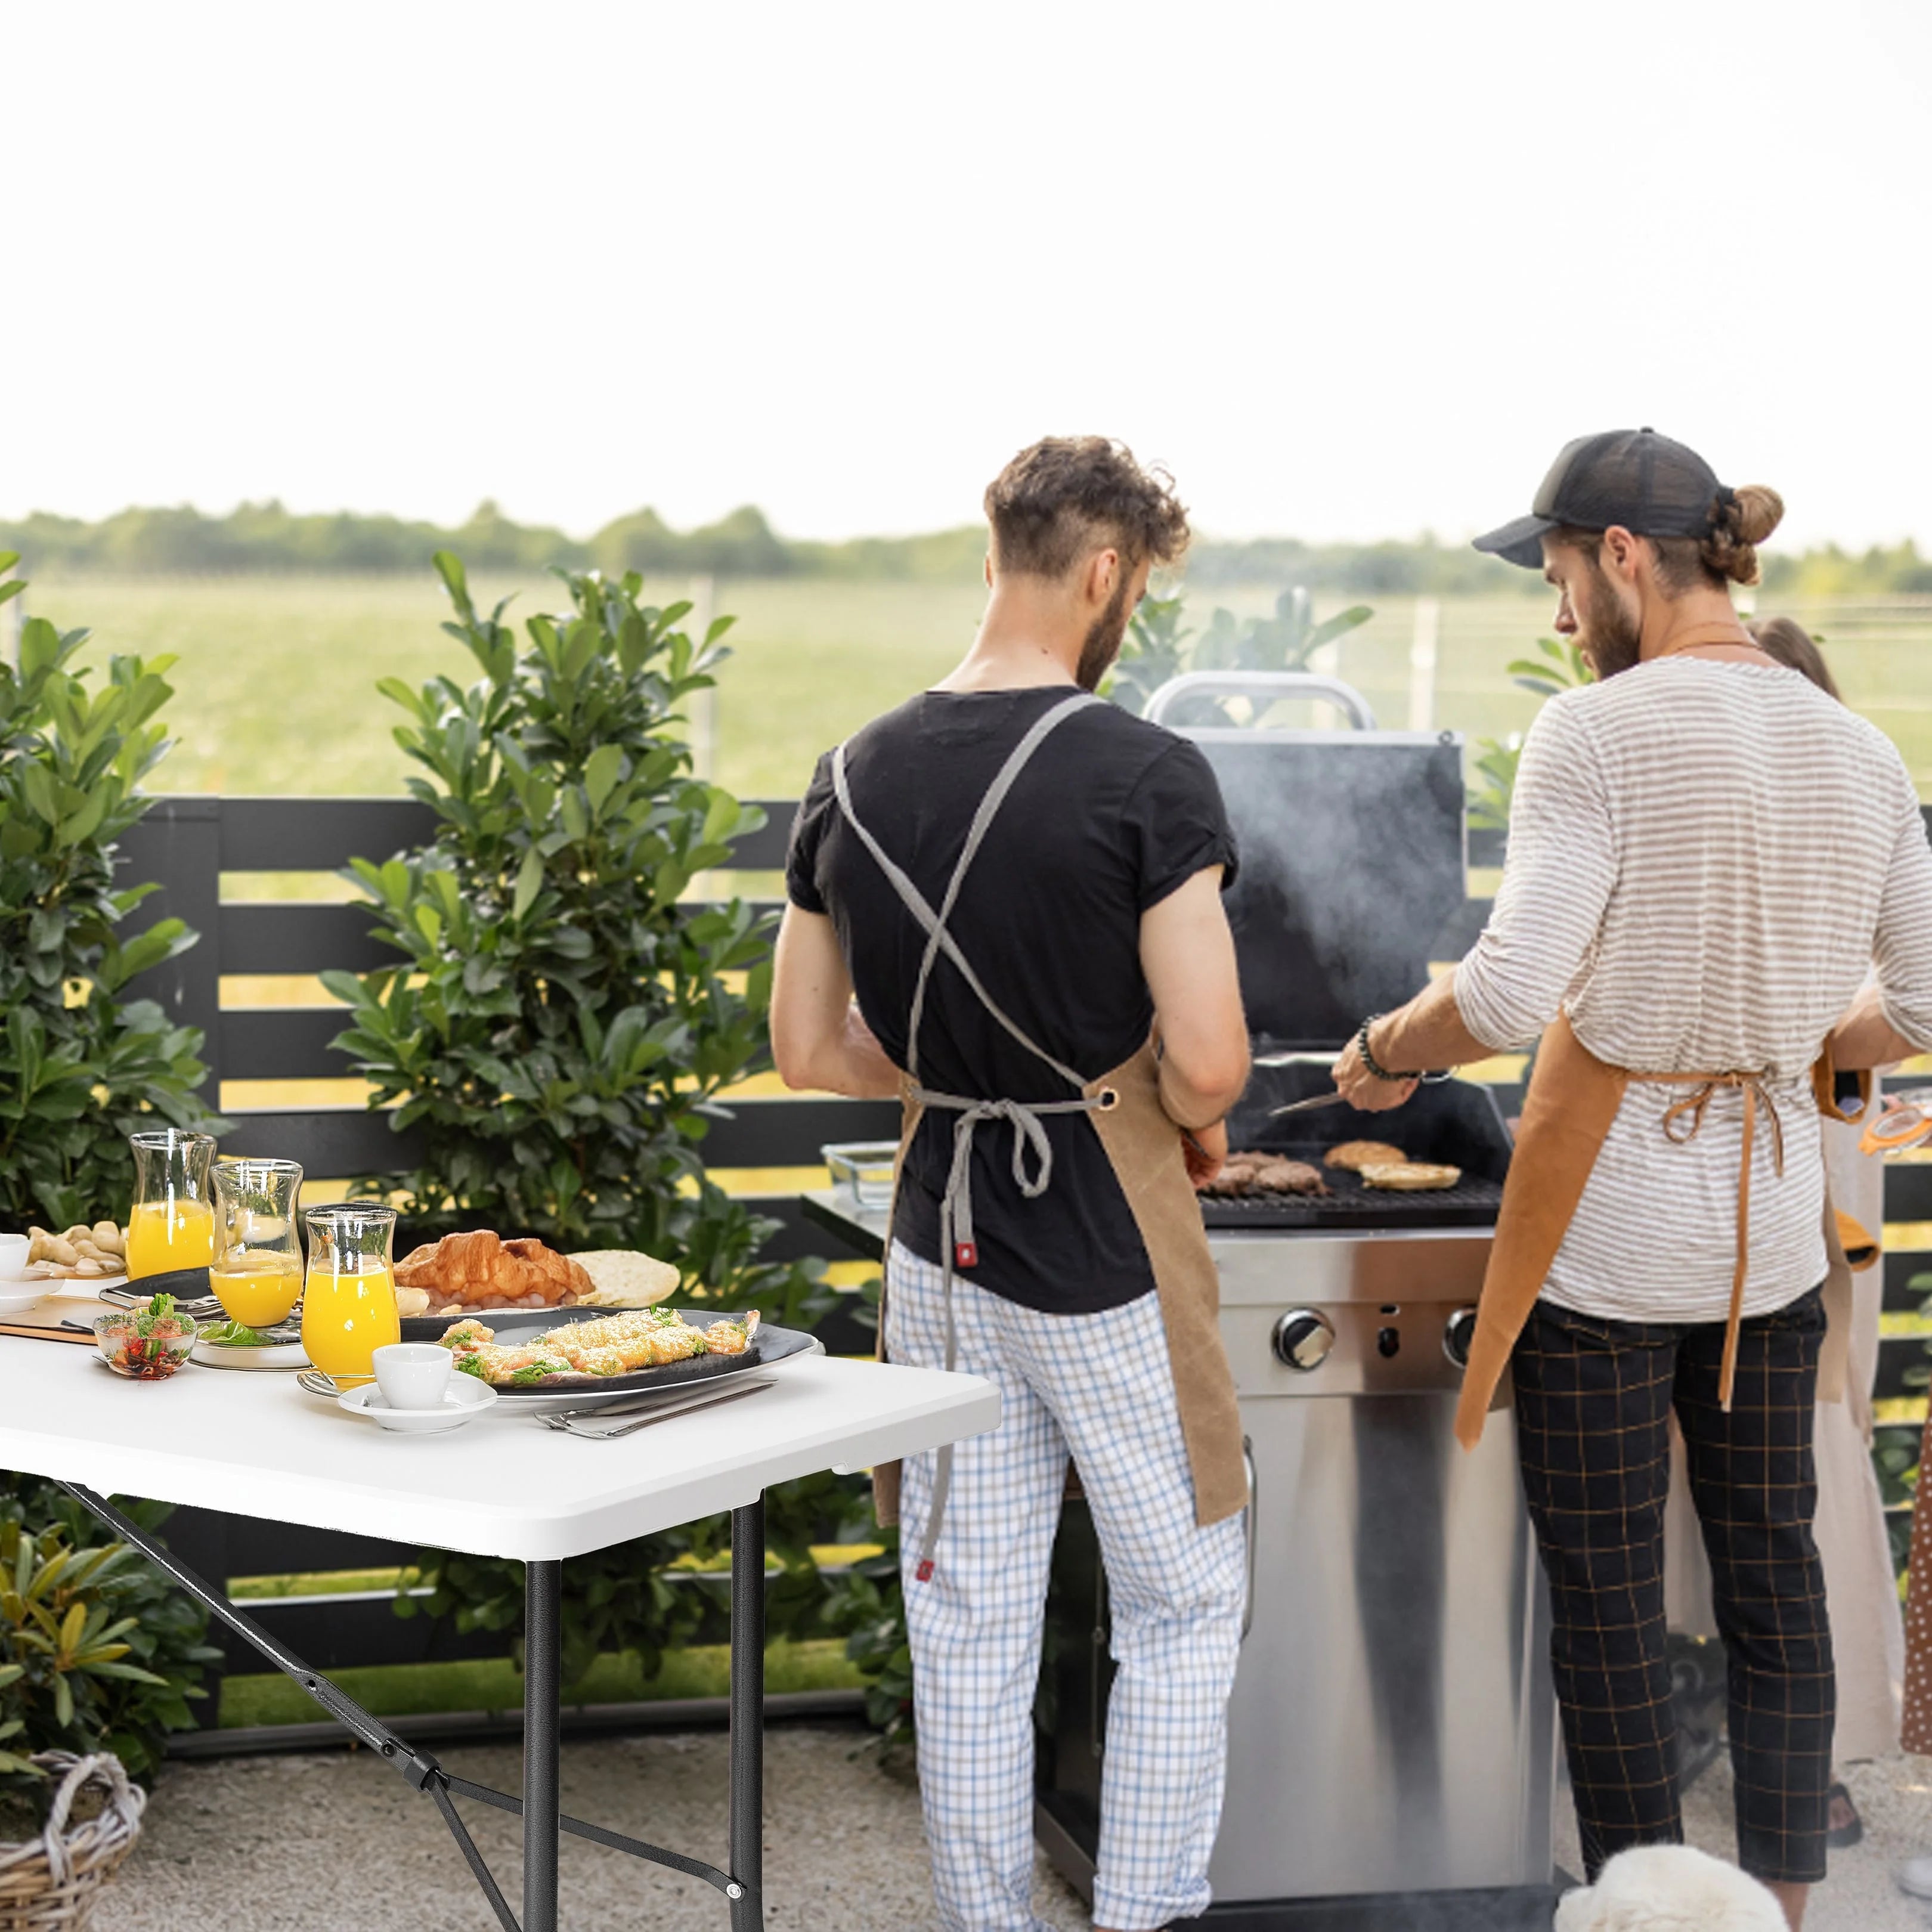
column 939, row 939
column 1683, row 1121
column 958, row 1248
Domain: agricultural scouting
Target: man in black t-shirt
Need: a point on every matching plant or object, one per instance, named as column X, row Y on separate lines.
column 1071, row 858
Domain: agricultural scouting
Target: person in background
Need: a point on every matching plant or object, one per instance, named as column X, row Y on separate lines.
column 1851, row 1522
column 1707, row 859
column 1021, row 885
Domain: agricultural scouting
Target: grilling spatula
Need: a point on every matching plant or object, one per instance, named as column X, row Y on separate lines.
column 1307, row 1106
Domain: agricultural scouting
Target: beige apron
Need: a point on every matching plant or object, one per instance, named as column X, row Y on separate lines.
column 1573, row 1098
column 1143, row 1146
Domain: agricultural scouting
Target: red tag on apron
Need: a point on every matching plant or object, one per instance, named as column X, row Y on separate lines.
column 965, row 1254
column 924, row 1572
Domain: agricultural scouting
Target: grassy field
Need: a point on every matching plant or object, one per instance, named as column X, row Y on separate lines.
column 412, row 1690
column 277, row 675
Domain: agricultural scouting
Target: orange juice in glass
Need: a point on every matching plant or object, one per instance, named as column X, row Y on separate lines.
column 257, row 1271
column 349, row 1301
column 172, row 1224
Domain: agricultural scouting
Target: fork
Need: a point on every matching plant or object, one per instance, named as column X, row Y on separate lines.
column 570, row 1426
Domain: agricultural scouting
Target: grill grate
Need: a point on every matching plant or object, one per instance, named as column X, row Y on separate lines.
column 1472, row 1202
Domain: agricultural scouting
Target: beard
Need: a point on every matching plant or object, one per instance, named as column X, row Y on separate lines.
column 1608, row 634
column 1103, row 641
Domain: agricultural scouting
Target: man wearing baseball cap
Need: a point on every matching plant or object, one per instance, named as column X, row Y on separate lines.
column 1708, row 858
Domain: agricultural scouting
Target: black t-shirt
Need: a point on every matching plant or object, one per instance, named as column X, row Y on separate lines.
column 1111, row 815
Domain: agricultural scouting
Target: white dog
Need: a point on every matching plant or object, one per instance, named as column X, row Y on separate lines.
column 1669, row 1888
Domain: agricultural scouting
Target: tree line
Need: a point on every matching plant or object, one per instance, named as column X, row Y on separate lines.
column 267, row 538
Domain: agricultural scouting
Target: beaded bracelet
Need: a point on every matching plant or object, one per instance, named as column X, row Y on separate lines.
column 1369, row 1059
column 1380, row 1071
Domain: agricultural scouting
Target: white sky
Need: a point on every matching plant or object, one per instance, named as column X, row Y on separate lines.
column 1351, row 269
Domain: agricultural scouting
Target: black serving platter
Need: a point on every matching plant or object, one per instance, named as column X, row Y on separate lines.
column 768, row 1344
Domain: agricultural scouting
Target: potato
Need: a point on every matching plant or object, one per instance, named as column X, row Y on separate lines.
column 60, row 1249
column 108, row 1238
column 92, row 1270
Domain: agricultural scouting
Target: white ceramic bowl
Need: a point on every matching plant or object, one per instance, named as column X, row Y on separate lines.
column 464, row 1400
column 16, row 1295
column 13, row 1258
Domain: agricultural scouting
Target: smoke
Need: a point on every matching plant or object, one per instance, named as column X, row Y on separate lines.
column 1351, row 864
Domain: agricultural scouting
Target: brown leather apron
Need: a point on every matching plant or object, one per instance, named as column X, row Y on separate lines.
column 1143, row 1146
column 1572, row 1100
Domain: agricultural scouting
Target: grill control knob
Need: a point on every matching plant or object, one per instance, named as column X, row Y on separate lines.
column 1457, row 1336
column 1303, row 1338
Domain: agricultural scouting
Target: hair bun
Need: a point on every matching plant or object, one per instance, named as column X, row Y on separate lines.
column 1759, row 511
column 1741, row 520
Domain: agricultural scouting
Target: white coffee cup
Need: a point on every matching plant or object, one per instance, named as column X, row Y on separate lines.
column 412, row 1375
column 13, row 1256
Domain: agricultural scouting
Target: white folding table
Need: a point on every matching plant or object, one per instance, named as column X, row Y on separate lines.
column 504, row 1486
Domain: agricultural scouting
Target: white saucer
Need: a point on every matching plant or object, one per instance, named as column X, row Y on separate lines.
column 275, row 1355
column 16, row 1295
column 462, row 1401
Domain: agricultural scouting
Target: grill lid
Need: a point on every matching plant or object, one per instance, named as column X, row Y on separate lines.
column 1351, row 866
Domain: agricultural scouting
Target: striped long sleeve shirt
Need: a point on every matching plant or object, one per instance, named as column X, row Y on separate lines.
column 1708, row 861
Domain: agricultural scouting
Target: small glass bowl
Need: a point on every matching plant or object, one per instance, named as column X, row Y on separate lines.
column 151, row 1357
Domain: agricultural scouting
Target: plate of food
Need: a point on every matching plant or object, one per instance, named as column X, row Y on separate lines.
column 481, row 1274
column 586, row 1356
column 91, row 1257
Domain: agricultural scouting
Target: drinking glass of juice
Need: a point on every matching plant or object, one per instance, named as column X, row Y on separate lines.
column 172, row 1224
column 349, row 1302
column 257, row 1271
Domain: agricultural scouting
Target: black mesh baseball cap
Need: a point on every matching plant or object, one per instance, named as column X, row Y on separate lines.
column 1645, row 482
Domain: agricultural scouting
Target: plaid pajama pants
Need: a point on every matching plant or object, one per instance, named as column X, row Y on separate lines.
column 1097, row 1387
column 1593, row 1403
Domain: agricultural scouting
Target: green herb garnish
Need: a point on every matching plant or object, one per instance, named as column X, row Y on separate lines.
column 471, row 1365
column 160, row 1309
column 237, row 1335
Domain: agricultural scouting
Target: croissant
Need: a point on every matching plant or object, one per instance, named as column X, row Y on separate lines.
column 482, row 1271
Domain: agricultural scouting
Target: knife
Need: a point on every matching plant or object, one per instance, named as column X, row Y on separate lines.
column 1308, row 1106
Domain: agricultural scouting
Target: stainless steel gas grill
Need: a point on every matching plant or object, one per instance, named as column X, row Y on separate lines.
column 1392, row 1732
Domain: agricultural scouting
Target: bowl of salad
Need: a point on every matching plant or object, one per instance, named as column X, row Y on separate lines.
column 145, row 1344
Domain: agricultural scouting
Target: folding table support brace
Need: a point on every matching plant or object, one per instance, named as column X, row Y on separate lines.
column 542, row 1716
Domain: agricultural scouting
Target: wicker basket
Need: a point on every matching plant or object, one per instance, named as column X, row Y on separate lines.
column 50, row 1883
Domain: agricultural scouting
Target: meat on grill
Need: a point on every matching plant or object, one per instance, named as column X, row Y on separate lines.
column 1243, row 1173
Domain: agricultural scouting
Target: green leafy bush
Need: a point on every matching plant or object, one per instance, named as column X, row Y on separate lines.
column 1560, row 666
column 98, row 1651
column 659, row 1592
column 562, row 1020
column 80, row 1069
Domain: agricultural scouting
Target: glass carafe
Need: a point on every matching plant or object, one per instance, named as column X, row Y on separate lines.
column 349, row 1302
column 172, row 1224
column 257, row 1272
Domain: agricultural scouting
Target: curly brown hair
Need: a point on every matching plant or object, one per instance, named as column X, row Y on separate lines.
column 1068, row 496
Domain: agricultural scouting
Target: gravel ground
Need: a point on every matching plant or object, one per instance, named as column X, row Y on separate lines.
column 334, row 1841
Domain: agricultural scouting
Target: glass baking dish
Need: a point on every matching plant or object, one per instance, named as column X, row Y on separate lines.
column 864, row 1169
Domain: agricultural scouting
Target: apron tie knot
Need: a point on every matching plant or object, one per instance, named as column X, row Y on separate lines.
column 1684, row 1119
column 1032, row 1158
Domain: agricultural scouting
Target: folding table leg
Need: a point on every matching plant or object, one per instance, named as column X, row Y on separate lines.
column 747, row 1715
column 542, row 1719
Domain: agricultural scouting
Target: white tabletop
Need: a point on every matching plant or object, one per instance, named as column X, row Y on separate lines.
column 503, row 1486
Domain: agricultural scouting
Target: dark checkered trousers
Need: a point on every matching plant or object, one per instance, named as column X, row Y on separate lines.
column 1593, row 1404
